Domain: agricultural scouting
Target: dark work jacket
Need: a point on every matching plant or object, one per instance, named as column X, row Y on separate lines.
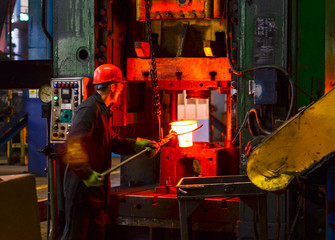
column 91, row 125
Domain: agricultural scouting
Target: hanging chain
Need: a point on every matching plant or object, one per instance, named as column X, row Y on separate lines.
column 153, row 70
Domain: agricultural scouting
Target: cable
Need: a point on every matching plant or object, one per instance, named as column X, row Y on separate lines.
column 253, row 134
column 242, row 125
column 246, row 120
column 253, row 110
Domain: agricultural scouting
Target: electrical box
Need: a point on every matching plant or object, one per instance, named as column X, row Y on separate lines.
column 66, row 96
column 265, row 86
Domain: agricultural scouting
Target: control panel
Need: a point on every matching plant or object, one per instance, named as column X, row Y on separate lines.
column 66, row 97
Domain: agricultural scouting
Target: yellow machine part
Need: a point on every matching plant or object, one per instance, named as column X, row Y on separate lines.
column 296, row 146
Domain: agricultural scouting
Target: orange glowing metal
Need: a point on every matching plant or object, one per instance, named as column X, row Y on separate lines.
column 208, row 52
column 185, row 126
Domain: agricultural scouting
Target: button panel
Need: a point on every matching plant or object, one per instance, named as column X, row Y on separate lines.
column 67, row 95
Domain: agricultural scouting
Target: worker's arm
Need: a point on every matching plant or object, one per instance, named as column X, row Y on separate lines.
column 142, row 143
column 126, row 146
column 77, row 158
column 76, row 154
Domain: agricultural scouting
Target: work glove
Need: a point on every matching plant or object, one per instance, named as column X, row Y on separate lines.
column 142, row 143
column 94, row 180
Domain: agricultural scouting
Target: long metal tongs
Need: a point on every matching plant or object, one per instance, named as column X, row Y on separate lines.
column 147, row 149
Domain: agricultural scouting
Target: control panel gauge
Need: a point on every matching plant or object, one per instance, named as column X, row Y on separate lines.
column 45, row 93
column 66, row 95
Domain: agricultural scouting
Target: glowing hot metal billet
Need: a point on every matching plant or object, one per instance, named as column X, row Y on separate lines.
column 184, row 130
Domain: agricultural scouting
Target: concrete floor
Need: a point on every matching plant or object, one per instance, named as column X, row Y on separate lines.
column 42, row 183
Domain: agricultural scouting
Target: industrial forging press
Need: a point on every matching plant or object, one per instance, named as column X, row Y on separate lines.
column 229, row 74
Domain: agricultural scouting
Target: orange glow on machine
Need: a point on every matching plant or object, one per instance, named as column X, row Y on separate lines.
column 184, row 129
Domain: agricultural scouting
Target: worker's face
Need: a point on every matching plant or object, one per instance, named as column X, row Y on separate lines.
column 116, row 88
column 115, row 91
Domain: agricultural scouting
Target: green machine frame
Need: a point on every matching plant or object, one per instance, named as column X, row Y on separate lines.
column 260, row 43
column 297, row 44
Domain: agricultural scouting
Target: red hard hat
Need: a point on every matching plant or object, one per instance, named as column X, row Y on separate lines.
column 107, row 73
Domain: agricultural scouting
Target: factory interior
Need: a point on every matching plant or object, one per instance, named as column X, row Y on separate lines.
column 232, row 90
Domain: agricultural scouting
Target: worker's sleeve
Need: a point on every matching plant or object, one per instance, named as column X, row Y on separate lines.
column 76, row 154
column 122, row 146
column 82, row 122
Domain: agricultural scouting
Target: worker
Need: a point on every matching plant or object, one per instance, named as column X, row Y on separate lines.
column 88, row 153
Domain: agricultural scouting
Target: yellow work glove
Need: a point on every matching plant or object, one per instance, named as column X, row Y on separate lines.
column 94, row 180
column 142, row 143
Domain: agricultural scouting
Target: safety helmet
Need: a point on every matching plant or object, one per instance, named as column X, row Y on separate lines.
column 106, row 73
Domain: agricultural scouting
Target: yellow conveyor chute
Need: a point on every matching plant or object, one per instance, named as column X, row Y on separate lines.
column 296, row 146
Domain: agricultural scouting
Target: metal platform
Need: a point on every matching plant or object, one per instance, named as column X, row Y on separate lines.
column 143, row 207
column 193, row 191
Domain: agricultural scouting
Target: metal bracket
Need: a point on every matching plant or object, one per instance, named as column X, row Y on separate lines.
column 252, row 87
